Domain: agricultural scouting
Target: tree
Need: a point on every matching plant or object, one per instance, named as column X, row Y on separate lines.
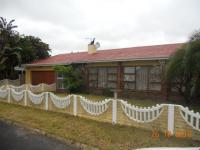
column 72, row 77
column 33, row 48
column 183, row 68
column 16, row 49
column 6, row 31
column 9, row 55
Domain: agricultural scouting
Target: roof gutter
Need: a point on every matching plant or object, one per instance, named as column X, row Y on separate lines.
column 122, row 60
column 97, row 61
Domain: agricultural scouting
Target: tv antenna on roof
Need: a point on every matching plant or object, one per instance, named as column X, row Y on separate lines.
column 97, row 44
column 92, row 42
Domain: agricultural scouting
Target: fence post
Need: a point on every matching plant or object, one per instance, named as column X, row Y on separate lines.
column 9, row 94
column 26, row 85
column 75, row 105
column 114, row 111
column 115, row 95
column 170, row 127
column 25, row 97
column 7, row 84
column 46, row 100
column 42, row 87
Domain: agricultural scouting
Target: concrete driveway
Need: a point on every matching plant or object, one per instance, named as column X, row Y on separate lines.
column 16, row 138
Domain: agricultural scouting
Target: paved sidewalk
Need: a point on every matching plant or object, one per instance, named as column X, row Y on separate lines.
column 16, row 138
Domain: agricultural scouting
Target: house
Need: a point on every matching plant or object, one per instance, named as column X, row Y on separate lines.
column 134, row 71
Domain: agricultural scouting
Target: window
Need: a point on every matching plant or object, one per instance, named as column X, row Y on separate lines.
column 60, row 84
column 60, row 81
column 141, row 78
column 155, row 78
column 60, row 75
column 93, row 77
column 112, row 77
column 103, row 77
column 129, row 78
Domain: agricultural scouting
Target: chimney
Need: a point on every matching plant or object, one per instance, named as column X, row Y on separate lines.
column 91, row 49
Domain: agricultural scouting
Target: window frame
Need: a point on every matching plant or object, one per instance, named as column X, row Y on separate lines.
column 60, row 79
column 155, row 82
column 135, row 82
column 107, row 77
column 93, row 80
column 127, row 82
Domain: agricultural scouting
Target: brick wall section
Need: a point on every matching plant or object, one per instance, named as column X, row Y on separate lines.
column 159, row 124
column 181, row 125
column 105, row 117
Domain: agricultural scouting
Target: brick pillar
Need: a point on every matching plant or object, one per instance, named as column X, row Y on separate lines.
column 164, row 86
column 165, row 90
column 86, row 76
column 119, row 77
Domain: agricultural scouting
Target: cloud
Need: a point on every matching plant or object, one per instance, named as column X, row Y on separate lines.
column 64, row 24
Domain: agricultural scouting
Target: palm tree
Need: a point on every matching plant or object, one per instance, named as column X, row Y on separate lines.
column 7, row 51
column 6, row 31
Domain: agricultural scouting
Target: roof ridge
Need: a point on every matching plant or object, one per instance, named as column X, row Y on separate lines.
column 142, row 46
column 119, row 48
column 69, row 53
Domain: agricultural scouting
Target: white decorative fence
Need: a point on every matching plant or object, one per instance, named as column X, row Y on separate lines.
column 33, row 88
column 9, row 82
column 193, row 119
column 141, row 114
column 94, row 108
column 161, row 115
column 60, row 102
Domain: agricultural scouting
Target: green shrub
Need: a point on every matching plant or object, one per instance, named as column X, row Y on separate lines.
column 72, row 77
column 107, row 92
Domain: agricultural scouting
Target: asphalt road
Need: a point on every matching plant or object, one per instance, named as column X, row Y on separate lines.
column 17, row 138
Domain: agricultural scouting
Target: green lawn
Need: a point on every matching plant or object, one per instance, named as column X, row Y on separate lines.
column 89, row 132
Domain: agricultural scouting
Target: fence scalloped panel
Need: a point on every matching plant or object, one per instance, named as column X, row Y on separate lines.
column 18, row 88
column 142, row 115
column 36, row 88
column 60, row 102
column 94, row 108
column 17, row 96
column 49, row 87
column 8, row 81
column 192, row 119
column 36, row 98
column 3, row 93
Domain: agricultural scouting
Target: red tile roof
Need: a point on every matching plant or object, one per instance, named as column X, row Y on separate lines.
column 122, row 54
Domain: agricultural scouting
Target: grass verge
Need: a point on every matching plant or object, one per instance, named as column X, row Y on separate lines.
column 89, row 132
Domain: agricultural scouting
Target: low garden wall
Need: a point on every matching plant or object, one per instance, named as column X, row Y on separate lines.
column 170, row 119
